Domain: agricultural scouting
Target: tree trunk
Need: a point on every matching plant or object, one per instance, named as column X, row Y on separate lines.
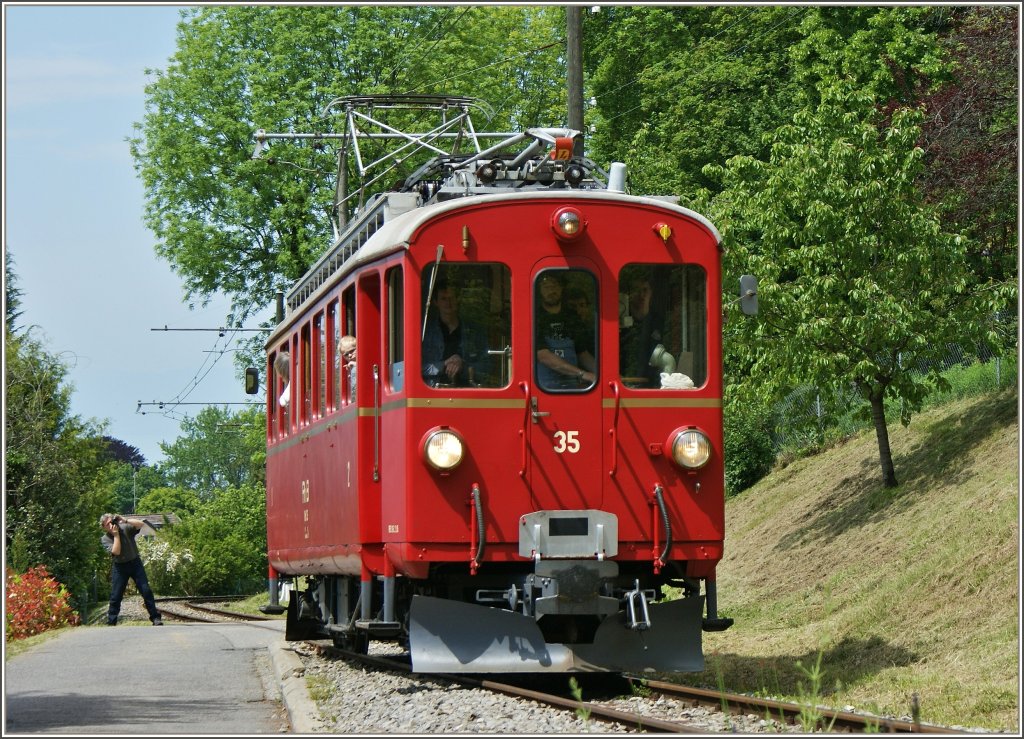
column 877, row 399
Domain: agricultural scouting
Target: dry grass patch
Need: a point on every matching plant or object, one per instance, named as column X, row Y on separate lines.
column 900, row 591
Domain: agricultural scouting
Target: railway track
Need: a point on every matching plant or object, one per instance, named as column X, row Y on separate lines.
column 781, row 712
column 202, row 610
column 824, row 719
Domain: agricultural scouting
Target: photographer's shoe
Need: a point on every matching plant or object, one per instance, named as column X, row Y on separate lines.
column 158, row 622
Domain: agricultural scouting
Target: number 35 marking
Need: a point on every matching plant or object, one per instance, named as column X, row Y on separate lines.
column 568, row 441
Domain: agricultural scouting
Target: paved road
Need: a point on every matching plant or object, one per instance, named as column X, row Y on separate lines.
column 171, row 679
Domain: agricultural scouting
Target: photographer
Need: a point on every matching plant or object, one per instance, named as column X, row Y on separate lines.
column 119, row 540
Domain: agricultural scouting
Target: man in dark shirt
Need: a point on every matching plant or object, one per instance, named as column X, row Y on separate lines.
column 638, row 341
column 119, row 541
column 565, row 351
column 451, row 346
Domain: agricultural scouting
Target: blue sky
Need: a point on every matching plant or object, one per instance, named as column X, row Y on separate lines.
column 92, row 286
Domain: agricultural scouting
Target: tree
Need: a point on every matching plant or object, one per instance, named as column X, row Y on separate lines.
column 228, row 224
column 120, row 451
column 52, row 463
column 12, row 294
column 129, row 484
column 218, row 449
column 681, row 87
column 227, row 537
column 170, row 500
column 971, row 136
column 859, row 284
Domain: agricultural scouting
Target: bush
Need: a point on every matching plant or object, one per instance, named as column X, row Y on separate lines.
column 167, row 566
column 36, row 603
column 749, row 449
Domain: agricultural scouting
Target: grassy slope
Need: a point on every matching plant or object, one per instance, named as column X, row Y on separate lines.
column 901, row 591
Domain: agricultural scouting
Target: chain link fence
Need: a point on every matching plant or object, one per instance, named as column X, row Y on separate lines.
column 807, row 415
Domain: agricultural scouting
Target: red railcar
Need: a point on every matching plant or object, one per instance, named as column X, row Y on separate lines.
column 525, row 458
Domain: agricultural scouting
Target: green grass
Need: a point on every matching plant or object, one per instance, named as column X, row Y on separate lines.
column 252, row 605
column 896, row 591
column 14, row 647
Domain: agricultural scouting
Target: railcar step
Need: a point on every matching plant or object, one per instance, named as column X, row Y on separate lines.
column 380, row 628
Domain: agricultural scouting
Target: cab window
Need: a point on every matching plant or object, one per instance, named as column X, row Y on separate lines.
column 565, row 330
column 663, row 326
column 465, row 333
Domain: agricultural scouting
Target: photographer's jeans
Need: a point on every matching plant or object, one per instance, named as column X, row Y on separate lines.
column 122, row 572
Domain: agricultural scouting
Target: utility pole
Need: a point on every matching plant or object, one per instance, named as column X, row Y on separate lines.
column 574, row 66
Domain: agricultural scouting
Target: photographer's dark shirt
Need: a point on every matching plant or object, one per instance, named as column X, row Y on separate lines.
column 129, row 549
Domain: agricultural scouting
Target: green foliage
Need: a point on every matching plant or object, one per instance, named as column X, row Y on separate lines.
column 749, row 448
column 12, row 294
column 858, row 282
column 810, row 698
column 705, row 84
column 217, row 449
column 36, row 603
column 129, row 485
column 975, row 378
column 52, row 466
column 170, row 500
column 227, row 539
column 577, row 692
column 244, row 228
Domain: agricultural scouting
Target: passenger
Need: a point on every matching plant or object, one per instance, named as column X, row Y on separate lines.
column 452, row 346
column 642, row 355
column 282, row 368
column 347, row 350
column 565, row 354
column 579, row 301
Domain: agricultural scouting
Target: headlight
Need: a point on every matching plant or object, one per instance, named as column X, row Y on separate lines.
column 691, row 449
column 443, row 449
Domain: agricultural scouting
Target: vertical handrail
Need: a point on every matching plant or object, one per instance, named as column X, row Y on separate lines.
column 659, row 560
column 613, row 432
column 525, row 387
column 477, row 532
column 376, row 423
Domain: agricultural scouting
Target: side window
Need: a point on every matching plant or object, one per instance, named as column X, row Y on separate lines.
column 306, row 370
column 319, row 396
column 332, row 383
column 280, row 391
column 465, row 329
column 396, row 330
column 346, row 344
column 565, row 330
column 663, row 326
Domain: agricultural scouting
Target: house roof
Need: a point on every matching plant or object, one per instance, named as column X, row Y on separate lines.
column 156, row 521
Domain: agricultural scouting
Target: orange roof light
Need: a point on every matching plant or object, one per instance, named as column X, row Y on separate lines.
column 663, row 230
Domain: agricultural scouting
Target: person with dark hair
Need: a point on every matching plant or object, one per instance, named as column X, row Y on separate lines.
column 565, row 354
column 579, row 301
column 451, row 344
column 640, row 340
column 119, row 541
